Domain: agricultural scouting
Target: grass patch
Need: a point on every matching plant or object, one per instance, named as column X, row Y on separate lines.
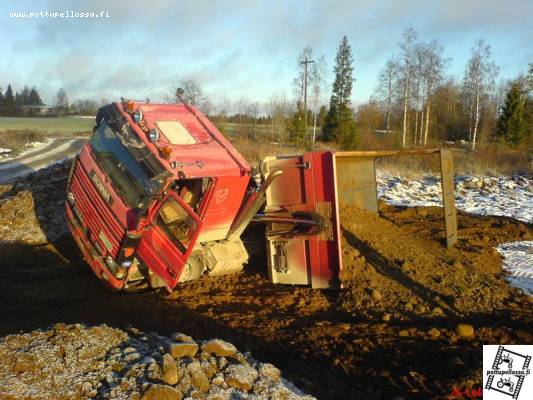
column 51, row 125
column 17, row 140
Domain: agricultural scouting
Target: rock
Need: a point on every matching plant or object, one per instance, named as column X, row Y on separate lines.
column 434, row 333
column 161, row 392
column 218, row 379
column 219, row 348
column 209, row 368
column 376, row 295
column 153, row 371
column 198, row 377
column 420, row 309
column 181, row 337
column 437, row 311
column 465, row 330
column 344, row 326
column 458, row 264
column 222, row 362
column 170, row 370
column 269, row 371
column 24, row 362
column 182, row 349
column 240, row 377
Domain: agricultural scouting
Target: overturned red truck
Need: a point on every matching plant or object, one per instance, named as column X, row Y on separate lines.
column 159, row 196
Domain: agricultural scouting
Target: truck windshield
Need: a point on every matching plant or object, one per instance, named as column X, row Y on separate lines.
column 132, row 179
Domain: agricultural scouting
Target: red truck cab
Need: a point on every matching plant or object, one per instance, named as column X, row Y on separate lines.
column 153, row 194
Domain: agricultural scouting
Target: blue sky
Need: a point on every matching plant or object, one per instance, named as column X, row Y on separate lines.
column 239, row 48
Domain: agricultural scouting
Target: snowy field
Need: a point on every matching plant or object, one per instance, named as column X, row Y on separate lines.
column 484, row 195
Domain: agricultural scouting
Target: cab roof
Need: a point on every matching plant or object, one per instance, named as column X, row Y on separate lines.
column 194, row 146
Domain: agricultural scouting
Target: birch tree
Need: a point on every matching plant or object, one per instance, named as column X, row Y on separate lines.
column 407, row 53
column 433, row 67
column 317, row 81
column 387, row 88
column 480, row 76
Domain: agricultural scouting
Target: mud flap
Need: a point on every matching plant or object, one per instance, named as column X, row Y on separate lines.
column 304, row 246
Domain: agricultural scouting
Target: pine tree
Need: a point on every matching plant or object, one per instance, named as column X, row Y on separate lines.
column 339, row 120
column 9, row 101
column 33, row 98
column 349, row 138
column 511, row 125
column 297, row 125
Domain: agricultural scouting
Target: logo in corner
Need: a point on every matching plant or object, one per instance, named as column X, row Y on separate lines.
column 221, row 195
column 506, row 372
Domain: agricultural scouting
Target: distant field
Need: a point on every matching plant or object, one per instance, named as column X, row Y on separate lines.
column 50, row 125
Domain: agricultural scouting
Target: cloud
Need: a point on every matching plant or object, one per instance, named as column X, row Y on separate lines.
column 240, row 47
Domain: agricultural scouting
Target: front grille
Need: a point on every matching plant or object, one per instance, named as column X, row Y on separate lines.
column 95, row 213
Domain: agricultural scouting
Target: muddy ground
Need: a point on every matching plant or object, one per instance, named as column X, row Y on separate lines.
column 391, row 333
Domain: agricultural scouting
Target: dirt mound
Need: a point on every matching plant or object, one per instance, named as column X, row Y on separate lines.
column 31, row 209
column 78, row 362
column 413, row 271
column 411, row 322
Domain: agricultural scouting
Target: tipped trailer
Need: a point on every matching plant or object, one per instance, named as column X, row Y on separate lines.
column 159, row 196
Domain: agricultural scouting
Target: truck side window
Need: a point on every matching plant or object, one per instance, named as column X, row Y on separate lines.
column 192, row 191
column 176, row 222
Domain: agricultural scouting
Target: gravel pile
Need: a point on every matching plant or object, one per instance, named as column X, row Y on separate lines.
column 79, row 362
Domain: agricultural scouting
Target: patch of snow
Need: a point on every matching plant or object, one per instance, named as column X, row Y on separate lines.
column 4, row 153
column 518, row 261
column 35, row 146
column 484, row 195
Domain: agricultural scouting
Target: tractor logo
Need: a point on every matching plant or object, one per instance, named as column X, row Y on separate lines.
column 507, row 377
column 221, row 195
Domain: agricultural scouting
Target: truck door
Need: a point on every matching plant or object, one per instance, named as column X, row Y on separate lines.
column 304, row 246
column 168, row 241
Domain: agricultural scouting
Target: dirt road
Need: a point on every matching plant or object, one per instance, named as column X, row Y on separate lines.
column 57, row 149
column 393, row 332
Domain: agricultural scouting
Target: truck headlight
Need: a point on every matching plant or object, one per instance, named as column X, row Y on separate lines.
column 153, row 135
column 137, row 116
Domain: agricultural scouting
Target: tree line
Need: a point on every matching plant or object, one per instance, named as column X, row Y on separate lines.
column 11, row 103
column 28, row 102
column 415, row 102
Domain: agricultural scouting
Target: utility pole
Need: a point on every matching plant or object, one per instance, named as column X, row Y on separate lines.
column 305, row 63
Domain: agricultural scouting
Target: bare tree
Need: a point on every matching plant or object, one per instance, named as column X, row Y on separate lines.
column 480, row 76
column 192, row 94
column 407, row 53
column 298, row 82
column 317, row 83
column 278, row 108
column 61, row 101
column 223, row 109
column 432, row 70
column 387, row 88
